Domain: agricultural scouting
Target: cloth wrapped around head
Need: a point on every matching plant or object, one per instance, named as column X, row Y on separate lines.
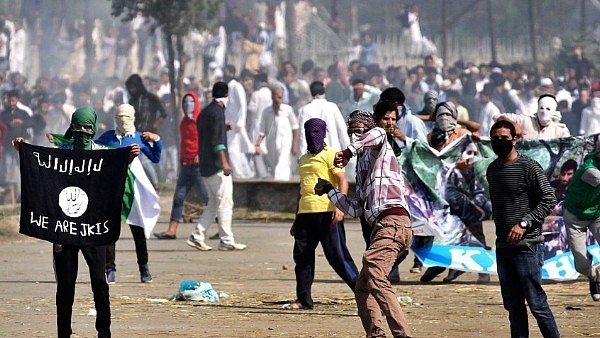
column 82, row 128
column 125, row 119
column 446, row 116
column 361, row 116
column 315, row 131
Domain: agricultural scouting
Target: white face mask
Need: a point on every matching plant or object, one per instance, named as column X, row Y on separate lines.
column 596, row 102
column 125, row 124
column 354, row 137
column 546, row 110
column 188, row 106
column 223, row 100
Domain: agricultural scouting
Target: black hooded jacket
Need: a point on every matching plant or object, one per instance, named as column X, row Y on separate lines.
column 148, row 107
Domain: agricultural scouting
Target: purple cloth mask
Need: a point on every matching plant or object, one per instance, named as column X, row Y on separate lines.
column 315, row 131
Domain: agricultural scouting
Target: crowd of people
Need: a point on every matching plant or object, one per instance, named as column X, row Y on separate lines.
column 270, row 122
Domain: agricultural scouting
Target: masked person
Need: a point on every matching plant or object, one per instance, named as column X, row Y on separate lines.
column 379, row 195
column 150, row 144
column 216, row 171
column 189, row 171
column 446, row 128
column 521, row 200
column 81, row 131
column 544, row 125
column 317, row 219
column 445, row 131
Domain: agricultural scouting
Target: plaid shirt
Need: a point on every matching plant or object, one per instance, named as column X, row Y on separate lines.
column 379, row 180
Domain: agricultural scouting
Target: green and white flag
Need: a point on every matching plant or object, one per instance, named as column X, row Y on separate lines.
column 140, row 201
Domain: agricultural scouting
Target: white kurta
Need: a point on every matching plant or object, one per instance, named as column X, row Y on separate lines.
column 259, row 101
column 277, row 130
column 531, row 127
column 590, row 121
column 238, row 143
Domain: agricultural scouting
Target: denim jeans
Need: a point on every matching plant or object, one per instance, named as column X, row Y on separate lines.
column 189, row 176
column 520, row 275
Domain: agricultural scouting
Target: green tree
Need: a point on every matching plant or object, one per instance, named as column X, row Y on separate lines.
column 176, row 19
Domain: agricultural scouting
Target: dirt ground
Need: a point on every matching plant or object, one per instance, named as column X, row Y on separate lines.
column 257, row 282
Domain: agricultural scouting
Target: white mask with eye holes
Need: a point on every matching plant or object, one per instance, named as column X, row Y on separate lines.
column 546, row 110
column 188, row 106
column 354, row 137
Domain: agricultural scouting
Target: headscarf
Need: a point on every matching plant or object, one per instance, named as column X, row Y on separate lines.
column 125, row 119
column 361, row 116
column 315, row 130
column 83, row 116
column 444, row 122
column 431, row 100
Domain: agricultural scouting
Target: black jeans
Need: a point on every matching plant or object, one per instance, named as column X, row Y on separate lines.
column 65, row 269
column 141, row 249
column 310, row 230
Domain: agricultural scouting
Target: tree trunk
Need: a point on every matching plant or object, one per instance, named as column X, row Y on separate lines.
column 492, row 32
column 445, row 30
column 168, row 36
column 90, row 51
column 290, row 29
column 532, row 31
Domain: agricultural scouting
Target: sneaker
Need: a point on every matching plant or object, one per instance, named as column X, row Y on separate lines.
column 111, row 276
column 197, row 244
column 145, row 276
column 215, row 236
column 231, row 247
column 415, row 269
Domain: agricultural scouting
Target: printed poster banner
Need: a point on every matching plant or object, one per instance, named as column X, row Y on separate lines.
column 446, row 190
column 72, row 197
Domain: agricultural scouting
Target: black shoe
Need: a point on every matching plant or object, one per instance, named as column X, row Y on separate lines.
column 452, row 275
column 595, row 286
column 145, row 276
column 431, row 273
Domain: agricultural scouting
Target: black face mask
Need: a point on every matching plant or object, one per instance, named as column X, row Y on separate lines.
column 502, row 147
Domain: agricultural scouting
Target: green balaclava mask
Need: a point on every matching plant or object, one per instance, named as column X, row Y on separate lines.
column 83, row 128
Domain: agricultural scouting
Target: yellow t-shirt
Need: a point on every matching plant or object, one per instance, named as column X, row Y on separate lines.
column 311, row 167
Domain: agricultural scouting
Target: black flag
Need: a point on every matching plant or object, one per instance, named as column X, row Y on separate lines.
column 72, row 197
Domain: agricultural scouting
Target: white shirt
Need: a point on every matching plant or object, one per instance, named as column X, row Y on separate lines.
column 488, row 112
column 259, row 101
column 337, row 133
column 531, row 127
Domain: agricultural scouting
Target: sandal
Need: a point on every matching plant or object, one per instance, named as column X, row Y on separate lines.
column 296, row 305
column 164, row 235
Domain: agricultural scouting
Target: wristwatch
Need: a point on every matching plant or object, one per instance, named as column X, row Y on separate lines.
column 524, row 224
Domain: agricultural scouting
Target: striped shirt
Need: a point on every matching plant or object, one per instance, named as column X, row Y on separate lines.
column 519, row 191
column 379, row 180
